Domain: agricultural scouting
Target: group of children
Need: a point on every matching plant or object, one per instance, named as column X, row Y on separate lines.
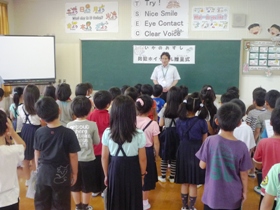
column 110, row 142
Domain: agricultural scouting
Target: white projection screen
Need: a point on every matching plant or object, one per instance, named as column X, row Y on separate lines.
column 27, row 59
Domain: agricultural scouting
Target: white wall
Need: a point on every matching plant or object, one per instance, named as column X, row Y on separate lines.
column 41, row 17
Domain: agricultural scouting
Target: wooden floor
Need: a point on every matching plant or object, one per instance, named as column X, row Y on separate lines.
column 166, row 196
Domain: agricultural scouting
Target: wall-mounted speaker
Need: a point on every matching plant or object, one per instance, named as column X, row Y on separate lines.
column 238, row 20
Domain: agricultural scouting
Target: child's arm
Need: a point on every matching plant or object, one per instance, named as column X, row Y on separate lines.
column 36, row 157
column 257, row 133
column 143, row 162
column 257, row 164
column 11, row 132
column 105, row 162
column 202, row 164
column 204, row 136
column 161, row 122
column 155, row 114
column 244, row 180
column 267, row 202
column 156, row 145
column 74, row 167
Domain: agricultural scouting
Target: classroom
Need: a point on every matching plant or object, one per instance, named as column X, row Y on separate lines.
column 47, row 17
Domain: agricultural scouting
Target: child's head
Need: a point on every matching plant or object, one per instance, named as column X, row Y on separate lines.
column 132, row 92
column 115, row 91
column 50, row 91
column 123, row 88
column 102, row 99
column 227, row 97
column 229, row 116
column 81, row 106
column 240, row 104
column 89, row 88
column 173, row 101
column 18, row 93
column 184, row 91
column 275, row 120
column 208, row 95
column 191, row 104
column 138, row 87
column 271, row 97
column 47, row 109
column 3, row 121
column 63, row 92
column 31, row 95
column 123, row 119
column 259, row 96
column 277, row 103
column 147, row 89
column 144, row 104
column 157, row 90
column 81, row 89
column 234, row 91
column 1, row 94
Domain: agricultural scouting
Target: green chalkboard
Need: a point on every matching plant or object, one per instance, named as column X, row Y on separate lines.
column 107, row 63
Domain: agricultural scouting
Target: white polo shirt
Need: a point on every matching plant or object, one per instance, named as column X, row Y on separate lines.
column 165, row 75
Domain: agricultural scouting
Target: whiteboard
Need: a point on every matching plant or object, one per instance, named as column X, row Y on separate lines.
column 27, row 58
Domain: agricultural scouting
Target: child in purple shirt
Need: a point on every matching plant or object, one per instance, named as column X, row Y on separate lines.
column 227, row 162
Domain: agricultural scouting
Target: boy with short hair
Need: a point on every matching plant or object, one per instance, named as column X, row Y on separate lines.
column 267, row 153
column 100, row 115
column 258, row 102
column 87, row 134
column 227, row 161
column 132, row 93
column 157, row 91
column 56, row 156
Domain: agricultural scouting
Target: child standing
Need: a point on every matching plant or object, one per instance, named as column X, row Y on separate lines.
column 56, row 150
column 50, row 91
column 168, row 148
column 157, row 91
column 192, row 131
column 31, row 122
column 126, row 145
column 87, row 134
column 208, row 97
column 18, row 100
column 267, row 153
column 258, row 102
column 143, row 105
column 100, row 116
column 10, row 155
column 63, row 93
column 227, row 162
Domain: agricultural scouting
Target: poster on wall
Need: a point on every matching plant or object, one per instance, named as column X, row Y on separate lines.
column 91, row 17
column 148, row 54
column 159, row 19
column 211, row 18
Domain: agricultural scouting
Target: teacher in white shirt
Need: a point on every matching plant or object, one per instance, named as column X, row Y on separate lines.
column 166, row 75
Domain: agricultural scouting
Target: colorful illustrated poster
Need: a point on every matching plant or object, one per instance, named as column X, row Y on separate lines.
column 261, row 55
column 91, row 17
column 159, row 19
column 210, row 18
column 180, row 54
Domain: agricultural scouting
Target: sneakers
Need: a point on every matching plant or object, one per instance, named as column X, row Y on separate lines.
column 252, row 175
column 89, row 208
column 147, row 206
column 95, row 194
column 257, row 189
column 171, row 180
column 198, row 186
column 161, row 179
column 27, row 183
